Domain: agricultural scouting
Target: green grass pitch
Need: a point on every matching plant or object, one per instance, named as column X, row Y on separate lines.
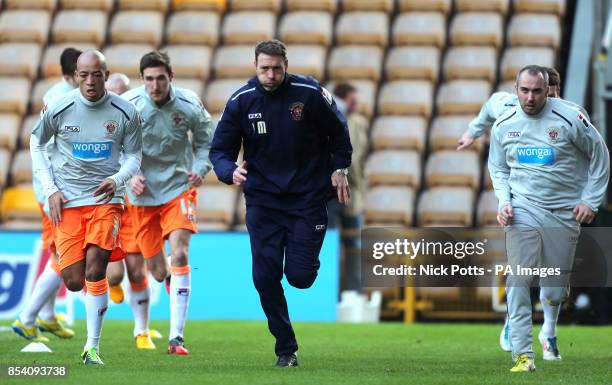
column 242, row 353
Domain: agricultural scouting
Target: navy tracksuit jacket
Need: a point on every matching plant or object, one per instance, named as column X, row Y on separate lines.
column 294, row 138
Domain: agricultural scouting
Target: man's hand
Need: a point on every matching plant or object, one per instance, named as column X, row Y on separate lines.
column 505, row 215
column 138, row 184
column 240, row 172
column 583, row 213
column 106, row 191
column 465, row 141
column 340, row 182
column 56, row 201
column 194, row 178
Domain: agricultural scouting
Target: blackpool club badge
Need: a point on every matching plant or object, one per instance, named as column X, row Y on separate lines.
column 297, row 111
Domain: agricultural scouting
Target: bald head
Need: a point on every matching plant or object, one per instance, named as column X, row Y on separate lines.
column 118, row 83
column 91, row 73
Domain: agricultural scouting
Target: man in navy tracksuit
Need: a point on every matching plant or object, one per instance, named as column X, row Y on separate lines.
column 296, row 153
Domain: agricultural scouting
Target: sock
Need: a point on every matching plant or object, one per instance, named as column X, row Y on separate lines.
column 47, row 312
column 46, row 287
column 180, row 289
column 96, row 303
column 551, row 313
column 139, row 302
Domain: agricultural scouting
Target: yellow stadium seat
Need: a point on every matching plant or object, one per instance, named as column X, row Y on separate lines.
column 306, row 27
column 462, row 96
column 424, row 6
column 540, row 6
column 9, row 130
column 256, row 5
column 413, row 62
column 190, row 61
column 216, row 203
column 80, row 26
column 219, row 91
column 446, row 131
column 307, row 60
column 389, row 205
column 15, row 101
column 125, row 58
column 507, row 86
column 139, row 27
column 394, row 167
column 49, row 5
column 195, row 85
column 406, row 97
column 248, row 27
column 200, row 5
column 50, row 63
column 25, row 25
column 366, row 91
column 468, row 62
column 19, row 203
column 153, row 5
column 211, row 179
column 486, row 212
column 367, row 5
column 446, row 206
column 499, row 6
column 193, row 27
column 21, row 170
column 515, row 58
column 363, row 28
column 452, row 168
column 312, row 5
column 5, row 158
column 355, row 62
column 419, row 28
column 40, row 89
column 26, row 129
column 241, row 209
column 477, row 28
column 234, row 61
column 487, row 183
column 399, row 133
column 19, row 59
column 105, row 5
column 531, row 29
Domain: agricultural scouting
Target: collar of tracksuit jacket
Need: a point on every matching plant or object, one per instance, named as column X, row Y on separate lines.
column 279, row 91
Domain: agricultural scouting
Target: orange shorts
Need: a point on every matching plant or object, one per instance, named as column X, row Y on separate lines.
column 127, row 233
column 48, row 233
column 88, row 225
column 155, row 223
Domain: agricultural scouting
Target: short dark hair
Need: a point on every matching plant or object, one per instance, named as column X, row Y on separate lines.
column 271, row 47
column 155, row 59
column 533, row 69
column 68, row 60
column 342, row 90
column 554, row 78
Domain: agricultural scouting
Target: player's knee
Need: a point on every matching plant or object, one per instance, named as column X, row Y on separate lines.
column 302, row 279
column 554, row 298
column 159, row 273
column 94, row 273
column 263, row 281
column 74, row 284
column 136, row 276
column 180, row 257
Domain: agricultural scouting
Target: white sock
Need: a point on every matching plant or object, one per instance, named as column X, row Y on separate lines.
column 46, row 287
column 96, row 306
column 47, row 312
column 551, row 313
column 180, row 289
column 139, row 302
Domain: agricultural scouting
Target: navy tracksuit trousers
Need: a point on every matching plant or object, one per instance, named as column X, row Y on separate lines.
column 295, row 237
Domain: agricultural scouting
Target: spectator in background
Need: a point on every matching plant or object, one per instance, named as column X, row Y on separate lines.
column 118, row 83
column 349, row 218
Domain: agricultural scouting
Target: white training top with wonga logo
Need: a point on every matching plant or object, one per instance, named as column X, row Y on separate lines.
column 89, row 139
column 58, row 89
column 555, row 159
column 168, row 152
column 496, row 105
